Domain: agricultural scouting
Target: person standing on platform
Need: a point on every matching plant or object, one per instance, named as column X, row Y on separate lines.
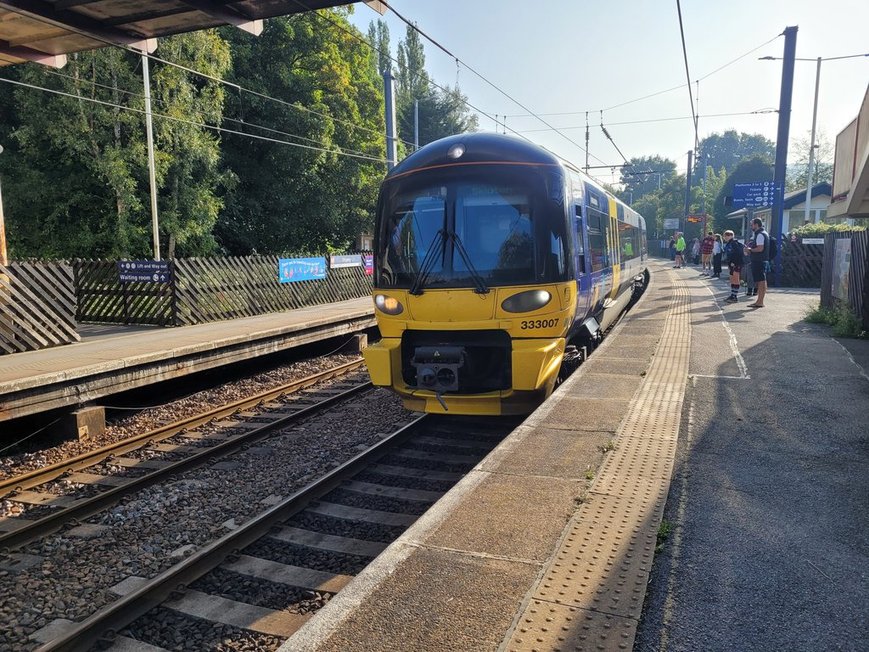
column 706, row 248
column 695, row 251
column 672, row 248
column 717, row 247
column 680, row 250
column 735, row 256
column 759, row 260
column 748, row 276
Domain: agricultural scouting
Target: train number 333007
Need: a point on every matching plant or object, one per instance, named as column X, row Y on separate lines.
column 538, row 323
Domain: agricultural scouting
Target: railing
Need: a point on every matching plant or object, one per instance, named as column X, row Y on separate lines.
column 801, row 264
column 37, row 306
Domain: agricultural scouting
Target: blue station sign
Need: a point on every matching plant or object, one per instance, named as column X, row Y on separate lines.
column 144, row 271
column 756, row 194
column 291, row 270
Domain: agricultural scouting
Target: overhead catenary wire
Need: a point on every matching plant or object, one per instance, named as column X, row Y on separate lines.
column 688, row 75
column 482, row 77
column 166, row 104
column 337, row 152
column 652, row 120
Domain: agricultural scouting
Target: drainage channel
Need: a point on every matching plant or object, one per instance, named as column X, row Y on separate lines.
column 255, row 586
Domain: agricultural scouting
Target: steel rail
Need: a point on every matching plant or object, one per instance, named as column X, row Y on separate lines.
column 105, row 623
column 44, row 526
column 82, row 461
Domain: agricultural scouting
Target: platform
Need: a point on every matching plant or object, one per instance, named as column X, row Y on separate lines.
column 110, row 360
column 549, row 543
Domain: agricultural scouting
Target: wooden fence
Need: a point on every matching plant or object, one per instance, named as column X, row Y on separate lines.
column 103, row 298
column 210, row 289
column 37, row 306
column 801, row 264
column 200, row 290
column 846, row 272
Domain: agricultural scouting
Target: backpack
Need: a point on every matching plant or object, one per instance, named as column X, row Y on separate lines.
column 772, row 247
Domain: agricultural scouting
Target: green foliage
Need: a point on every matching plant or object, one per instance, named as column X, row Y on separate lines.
column 728, row 150
column 843, row 320
column 822, row 228
column 441, row 112
column 79, row 179
column 294, row 197
column 822, row 167
column 753, row 169
column 656, row 169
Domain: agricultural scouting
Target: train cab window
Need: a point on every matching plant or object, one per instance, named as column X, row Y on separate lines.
column 494, row 224
column 412, row 229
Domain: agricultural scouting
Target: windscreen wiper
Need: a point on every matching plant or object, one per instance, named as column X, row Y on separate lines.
column 428, row 262
column 479, row 281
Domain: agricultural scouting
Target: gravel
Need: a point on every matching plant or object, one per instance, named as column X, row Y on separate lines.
column 174, row 631
column 343, row 528
column 260, row 592
column 379, row 503
column 407, row 483
column 293, row 555
column 74, row 577
column 148, row 419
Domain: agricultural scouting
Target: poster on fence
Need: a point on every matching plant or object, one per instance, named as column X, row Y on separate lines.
column 291, row 270
column 369, row 264
column 842, row 268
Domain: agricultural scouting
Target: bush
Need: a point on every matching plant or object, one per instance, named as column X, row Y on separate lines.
column 844, row 322
column 822, row 228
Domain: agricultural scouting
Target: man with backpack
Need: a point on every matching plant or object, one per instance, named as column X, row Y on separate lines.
column 733, row 254
column 763, row 251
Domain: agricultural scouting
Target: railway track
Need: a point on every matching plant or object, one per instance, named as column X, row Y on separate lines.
column 260, row 582
column 153, row 460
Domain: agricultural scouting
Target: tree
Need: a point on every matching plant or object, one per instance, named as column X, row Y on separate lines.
column 378, row 36
column 645, row 174
column 822, row 167
column 80, row 183
column 726, row 151
column 753, row 169
column 296, row 192
column 441, row 112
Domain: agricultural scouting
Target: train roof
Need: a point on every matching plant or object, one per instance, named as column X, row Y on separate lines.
column 478, row 148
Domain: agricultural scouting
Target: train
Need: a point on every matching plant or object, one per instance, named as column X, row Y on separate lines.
column 497, row 267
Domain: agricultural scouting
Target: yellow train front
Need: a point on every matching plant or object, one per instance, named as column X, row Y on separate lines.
column 493, row 259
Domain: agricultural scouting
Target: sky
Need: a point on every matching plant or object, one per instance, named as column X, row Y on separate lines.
column 573, row 56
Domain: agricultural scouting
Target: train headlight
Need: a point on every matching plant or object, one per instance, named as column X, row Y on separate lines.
column 388, row 305
column 526, row 301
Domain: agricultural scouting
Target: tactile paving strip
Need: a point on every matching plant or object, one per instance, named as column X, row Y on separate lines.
column 591, row 595
column 546, row 626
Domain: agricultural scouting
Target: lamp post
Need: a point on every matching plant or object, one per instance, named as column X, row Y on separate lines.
column 3, row 259
column 812, row 145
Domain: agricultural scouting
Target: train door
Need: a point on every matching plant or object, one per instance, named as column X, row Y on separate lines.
column 598, row 253
column 615, row 212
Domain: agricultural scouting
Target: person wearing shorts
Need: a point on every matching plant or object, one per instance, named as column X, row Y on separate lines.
column 759, row 261
column 706, row 249
column 733, row 251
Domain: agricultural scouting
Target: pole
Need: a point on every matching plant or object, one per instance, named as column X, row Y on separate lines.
column 781, row 145
column 3, row 259
column 415, row 125
column 688, row 189
column 586, row 142
column 152, row 174
column 812, row 147
column 391, row 141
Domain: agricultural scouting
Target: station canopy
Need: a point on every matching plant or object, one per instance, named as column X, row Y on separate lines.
column 46, row 31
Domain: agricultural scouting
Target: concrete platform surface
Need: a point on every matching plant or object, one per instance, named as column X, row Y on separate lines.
column 769, row 506
column 36, row 381
column 759, row 420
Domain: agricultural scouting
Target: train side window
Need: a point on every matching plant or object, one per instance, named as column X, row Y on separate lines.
column 598, row 224
column 580, row 240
